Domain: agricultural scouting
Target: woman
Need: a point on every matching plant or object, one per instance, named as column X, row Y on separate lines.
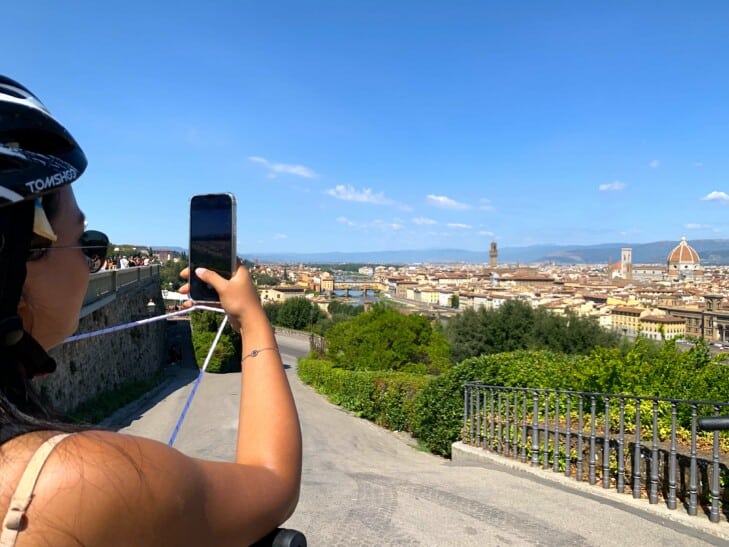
column 97, row 487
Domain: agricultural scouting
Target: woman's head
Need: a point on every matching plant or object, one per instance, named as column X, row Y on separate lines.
column 37, row 157
column 56, row 279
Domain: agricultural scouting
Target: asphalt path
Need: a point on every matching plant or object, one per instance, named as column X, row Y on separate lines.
column 364, row 485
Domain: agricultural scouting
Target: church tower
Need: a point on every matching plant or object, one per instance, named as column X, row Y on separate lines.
column 626, row 263
column 493, row 255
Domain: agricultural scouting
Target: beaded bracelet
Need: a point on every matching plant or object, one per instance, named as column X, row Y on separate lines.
column 255, row 352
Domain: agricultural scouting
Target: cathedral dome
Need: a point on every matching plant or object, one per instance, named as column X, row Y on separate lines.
column 683, row 253
column 684, row 262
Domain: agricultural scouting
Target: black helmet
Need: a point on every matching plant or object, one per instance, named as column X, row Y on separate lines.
column 37, row 156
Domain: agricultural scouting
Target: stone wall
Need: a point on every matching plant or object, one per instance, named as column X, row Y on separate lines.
column 89, row 368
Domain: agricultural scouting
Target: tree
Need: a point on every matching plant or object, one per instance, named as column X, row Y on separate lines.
column 227, row 354
column 169, row 272
column 384, row 339
column 516, row 325
column 342, row 310
column 455, row 301
column 298, row 313
column 265, row 279
column 271, row 309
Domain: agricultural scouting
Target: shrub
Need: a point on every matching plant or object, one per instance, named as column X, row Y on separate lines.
column 384, row 339
column 439, row 407
column 227, row 355
column 224, row 358
column 386, row 398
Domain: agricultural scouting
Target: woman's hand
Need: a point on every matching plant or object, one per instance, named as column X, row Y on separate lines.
column 238, row 296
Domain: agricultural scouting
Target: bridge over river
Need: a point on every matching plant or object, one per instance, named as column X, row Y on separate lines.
column 365, row 287
column 363, row 485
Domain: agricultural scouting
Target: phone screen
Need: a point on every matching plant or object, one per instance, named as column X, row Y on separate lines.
column 212, row 241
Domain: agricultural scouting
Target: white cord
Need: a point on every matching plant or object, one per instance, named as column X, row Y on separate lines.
column 131, row 324
column 215, row 343
column 148, row 320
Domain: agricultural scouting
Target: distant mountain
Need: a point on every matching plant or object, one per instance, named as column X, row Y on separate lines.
column 374, row 257
column 170, row 248
column 711, row 251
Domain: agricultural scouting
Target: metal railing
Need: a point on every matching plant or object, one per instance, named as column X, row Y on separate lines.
column 645, row 445
column 106, row 282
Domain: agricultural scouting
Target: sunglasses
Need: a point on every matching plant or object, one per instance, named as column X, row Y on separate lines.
column 93, row 244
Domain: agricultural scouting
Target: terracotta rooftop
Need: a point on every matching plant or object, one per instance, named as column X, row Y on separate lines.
column 627, row 309
column 662, row 319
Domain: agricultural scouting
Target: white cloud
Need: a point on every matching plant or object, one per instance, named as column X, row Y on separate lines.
column 366, row 195
column 381, row 225
column 285, row 168
column 486, row 233
column 424, row 221
column 695, row 226
column 721, row 197
column 654, row 164
column 612, row 186
column 485, row 205
column 445, row 202
column 346, row 221
column 280, row 236
column 698, row 164
column 459, row 226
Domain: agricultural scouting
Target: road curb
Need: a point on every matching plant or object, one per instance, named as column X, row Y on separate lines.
column 465, row 454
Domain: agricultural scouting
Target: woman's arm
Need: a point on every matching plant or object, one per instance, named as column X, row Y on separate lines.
column 104, row 488
column 269, row 435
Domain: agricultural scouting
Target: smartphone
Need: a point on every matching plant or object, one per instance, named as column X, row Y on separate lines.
column 212, row 241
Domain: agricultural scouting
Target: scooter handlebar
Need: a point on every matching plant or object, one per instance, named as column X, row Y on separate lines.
column 282, row 537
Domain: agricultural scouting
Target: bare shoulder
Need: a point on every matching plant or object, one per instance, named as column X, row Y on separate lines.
column 103, row 488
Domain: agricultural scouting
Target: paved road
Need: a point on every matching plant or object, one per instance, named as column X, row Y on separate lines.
column 363, row 485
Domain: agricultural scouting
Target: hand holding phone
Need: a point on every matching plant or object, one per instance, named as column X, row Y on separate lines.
column 212, row 241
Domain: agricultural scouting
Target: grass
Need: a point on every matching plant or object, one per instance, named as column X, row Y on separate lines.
column 95, row 410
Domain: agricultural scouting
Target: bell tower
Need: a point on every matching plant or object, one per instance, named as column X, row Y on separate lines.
column 626, row 263
column 493, row 255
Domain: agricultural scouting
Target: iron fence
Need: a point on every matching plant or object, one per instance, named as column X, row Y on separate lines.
column 647, row 446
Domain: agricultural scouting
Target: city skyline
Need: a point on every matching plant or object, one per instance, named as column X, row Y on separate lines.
column 378, row 127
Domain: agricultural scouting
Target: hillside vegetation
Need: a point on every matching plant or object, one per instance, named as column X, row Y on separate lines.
column 394, row 369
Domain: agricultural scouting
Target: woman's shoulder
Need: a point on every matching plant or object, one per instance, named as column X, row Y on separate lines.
column 103, row 488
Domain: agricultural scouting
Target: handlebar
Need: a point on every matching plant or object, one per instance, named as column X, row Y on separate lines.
column 714, row 423
column 282, row 537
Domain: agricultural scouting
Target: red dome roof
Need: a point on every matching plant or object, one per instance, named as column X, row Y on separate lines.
column 683, row 253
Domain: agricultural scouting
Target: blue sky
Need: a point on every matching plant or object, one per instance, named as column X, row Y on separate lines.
column 385, row 125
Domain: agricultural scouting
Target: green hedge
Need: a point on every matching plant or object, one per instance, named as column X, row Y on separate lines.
column 656, row 370
column 386, row 398
column 227, row 354
column 439, row 407
column 431, row 407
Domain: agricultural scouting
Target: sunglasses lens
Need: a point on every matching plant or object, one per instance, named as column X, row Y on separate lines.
column 95, row 246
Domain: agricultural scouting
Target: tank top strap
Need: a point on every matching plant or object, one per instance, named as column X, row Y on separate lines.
column 19, row 503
